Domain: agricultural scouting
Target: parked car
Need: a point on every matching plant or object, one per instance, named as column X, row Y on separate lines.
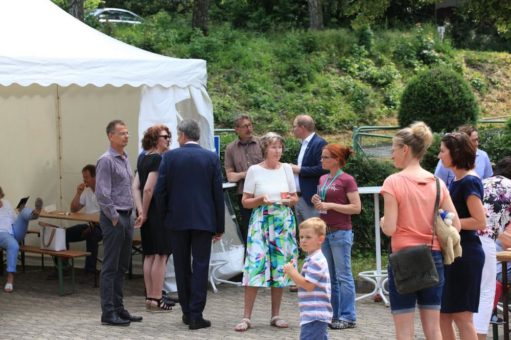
column 115, row 16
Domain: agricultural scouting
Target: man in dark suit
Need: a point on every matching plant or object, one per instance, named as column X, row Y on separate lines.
column 190, row 187
column 308, row 168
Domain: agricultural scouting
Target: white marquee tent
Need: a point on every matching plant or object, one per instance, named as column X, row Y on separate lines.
column 61, row 82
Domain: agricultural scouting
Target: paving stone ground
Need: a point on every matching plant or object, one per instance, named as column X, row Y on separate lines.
column 35, row 311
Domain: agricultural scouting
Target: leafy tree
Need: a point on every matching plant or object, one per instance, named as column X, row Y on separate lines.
column 76, row 9
column 441, row 98
column 315, row 14
column 495, row 12
column 200, row 15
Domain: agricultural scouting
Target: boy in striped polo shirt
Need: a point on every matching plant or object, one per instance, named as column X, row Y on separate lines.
column 313, row 283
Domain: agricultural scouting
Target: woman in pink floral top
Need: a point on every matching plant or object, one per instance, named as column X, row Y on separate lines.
column 497, row 204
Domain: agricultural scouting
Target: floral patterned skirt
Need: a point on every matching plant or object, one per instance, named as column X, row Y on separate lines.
column 271, row 243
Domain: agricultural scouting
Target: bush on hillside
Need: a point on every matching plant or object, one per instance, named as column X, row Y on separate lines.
column 441, row 98
column 496, row 141
column 367, row 172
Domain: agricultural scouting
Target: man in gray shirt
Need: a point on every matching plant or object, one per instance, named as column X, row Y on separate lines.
column 113, row 193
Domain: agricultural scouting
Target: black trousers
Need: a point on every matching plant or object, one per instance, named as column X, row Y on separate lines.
column 117, row 253
column 245, row 220
column 192, row 251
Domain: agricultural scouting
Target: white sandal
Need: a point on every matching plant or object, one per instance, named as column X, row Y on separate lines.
column 276, row 321
column 8, row 288
column 244, row 325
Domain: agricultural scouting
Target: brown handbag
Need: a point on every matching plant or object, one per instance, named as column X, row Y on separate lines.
column 413, row 267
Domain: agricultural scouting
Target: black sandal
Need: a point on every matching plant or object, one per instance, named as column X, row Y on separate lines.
column 160, row 306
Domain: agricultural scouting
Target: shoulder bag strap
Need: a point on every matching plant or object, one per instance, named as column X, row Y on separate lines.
column 435, row 211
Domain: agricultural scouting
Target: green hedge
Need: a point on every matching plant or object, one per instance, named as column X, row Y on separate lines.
column 441, row 98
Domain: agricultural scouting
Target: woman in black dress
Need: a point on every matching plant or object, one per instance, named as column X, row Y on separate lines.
column 460, row 298
column 155, row 241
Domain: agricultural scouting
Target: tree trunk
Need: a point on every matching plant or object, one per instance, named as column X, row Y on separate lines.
column 200, row 15
column 315, row 15
column 76, row 9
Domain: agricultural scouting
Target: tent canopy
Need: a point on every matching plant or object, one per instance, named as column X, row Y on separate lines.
column 62, row 81
column 42, row 44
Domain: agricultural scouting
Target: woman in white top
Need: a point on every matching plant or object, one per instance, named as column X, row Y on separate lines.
column 12, row 232
column 270, row 191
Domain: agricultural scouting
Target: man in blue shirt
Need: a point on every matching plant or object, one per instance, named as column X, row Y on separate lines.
column 482, row 166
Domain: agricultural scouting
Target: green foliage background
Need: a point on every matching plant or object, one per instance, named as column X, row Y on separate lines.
column 441, row 98
column 342, row 78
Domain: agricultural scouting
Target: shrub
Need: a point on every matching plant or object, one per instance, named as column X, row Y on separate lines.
column 441, row 98
column 367, row 172
column 496, row 141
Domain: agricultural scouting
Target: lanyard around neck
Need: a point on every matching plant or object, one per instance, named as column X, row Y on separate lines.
column 326, row 185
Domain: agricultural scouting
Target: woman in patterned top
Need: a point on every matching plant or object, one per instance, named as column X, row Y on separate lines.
column 270, row 191
column 497, row 204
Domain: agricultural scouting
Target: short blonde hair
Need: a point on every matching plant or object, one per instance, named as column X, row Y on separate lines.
column 268, row 139
column 314, row 223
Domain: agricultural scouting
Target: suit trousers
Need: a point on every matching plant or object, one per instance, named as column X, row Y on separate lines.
column 192, row 250
column 117, row 252
column 304, row 210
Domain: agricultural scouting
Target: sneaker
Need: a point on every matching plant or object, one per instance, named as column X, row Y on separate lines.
column 341, row 324
column 495, row 319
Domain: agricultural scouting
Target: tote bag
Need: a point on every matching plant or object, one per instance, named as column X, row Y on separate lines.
column 53, row 238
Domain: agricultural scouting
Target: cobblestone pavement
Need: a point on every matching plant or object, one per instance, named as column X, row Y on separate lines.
column 35, row 311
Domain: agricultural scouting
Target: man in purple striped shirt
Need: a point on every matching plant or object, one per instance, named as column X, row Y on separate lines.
column 113, row 193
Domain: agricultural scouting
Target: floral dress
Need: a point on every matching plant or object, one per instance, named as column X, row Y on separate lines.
column 497, row 203
column 271, row 241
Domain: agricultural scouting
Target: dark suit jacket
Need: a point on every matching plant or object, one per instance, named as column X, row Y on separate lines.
column 311, row 169
column 190, row 189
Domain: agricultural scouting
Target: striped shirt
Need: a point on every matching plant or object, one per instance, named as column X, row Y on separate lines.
column 315, row 305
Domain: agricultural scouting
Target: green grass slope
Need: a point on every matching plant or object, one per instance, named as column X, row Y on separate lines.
column 340, row 77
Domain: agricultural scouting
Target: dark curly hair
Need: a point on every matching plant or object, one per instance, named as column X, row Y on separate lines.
column 463, row 152
column 150, row 139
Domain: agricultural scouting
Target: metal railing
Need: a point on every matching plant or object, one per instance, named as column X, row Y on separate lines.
column 373, row 141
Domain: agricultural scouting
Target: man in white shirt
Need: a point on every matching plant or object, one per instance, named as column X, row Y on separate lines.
column 85, row 201
column 308, row 168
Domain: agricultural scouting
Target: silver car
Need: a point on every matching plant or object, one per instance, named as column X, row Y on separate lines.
column 115, row 16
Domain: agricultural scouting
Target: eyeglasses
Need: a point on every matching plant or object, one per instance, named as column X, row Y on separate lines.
column 246, row 126
column 326, row 157
column 165, row 136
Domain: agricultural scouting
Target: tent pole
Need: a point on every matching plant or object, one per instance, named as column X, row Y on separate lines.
column 59, row 143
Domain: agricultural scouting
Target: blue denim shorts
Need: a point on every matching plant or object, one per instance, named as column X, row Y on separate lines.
column 428, row 298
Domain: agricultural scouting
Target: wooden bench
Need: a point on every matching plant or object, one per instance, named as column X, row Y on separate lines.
column 59, row 255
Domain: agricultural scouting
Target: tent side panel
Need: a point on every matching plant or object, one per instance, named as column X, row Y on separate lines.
column 29, row 143
column 85, row 113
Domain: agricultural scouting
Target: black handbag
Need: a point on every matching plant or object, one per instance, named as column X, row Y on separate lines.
column 413, row 267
